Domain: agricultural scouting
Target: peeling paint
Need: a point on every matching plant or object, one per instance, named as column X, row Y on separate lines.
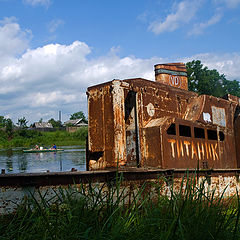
column 207, row 117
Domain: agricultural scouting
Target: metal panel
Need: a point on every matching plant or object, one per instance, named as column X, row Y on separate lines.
column 219, row 116
column 152, row 148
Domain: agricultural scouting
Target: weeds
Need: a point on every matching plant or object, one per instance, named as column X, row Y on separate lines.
column 112, row 211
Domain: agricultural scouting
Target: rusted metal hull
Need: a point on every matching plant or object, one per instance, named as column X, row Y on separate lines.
column 130, row 124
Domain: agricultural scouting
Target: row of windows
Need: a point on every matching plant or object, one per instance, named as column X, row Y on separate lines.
column 185, row 131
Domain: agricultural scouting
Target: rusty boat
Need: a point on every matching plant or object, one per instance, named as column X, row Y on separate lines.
column 161, row 125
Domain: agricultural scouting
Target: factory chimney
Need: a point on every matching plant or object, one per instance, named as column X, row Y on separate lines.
column 60, row 116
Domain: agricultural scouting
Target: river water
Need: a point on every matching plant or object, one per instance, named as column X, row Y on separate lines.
column 15, row 161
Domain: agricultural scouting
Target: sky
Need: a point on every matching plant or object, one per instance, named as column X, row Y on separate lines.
column 52, row 50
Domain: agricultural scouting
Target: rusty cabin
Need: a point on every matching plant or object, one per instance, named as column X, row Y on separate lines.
column 146, row 124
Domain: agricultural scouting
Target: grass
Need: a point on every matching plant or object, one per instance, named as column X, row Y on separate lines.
column 109, row 211
column 27, row 138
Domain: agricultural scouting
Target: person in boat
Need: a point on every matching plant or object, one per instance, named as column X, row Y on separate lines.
column 54, row 146
column 37, row 147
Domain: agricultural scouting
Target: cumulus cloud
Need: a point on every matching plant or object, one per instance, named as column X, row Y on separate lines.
column 200, row 27
column 55, row 77
column 45, row 3
column 183, row 13
column 43, row 99
column 227, row 64
column 13, row 40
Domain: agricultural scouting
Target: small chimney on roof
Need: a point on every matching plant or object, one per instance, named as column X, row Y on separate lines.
column 173, row 74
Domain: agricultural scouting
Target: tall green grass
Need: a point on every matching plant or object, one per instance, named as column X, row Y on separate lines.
column 111, row 211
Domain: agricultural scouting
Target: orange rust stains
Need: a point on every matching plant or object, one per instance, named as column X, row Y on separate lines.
column 193, row 150
column 173, row 74
column 119, row 124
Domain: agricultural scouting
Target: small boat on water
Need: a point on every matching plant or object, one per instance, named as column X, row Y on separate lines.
column 42, row 150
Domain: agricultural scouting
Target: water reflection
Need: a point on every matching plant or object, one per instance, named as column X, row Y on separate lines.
column 22, row 163
column 15, row 161
column 9, row 163
column 9, row 152
column 60, row 161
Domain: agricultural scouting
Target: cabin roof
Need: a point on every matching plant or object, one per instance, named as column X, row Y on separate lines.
column 76, row 122
column 42, row 125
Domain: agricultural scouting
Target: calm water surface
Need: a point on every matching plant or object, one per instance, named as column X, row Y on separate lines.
column 15, row 161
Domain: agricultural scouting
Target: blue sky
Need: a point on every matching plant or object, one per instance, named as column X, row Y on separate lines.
column 51, row 51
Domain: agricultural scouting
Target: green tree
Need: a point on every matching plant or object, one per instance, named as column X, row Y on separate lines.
column 9, row 128
column 78, row 115
column 2, row 121
column 205, row 81
column 55, row 124
column 22, row 123
column 231, row 87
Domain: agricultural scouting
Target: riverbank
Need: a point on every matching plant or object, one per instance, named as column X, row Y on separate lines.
column 91, row 212
column 29, row 138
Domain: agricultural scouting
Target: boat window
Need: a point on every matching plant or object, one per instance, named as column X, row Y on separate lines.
column 212, row 134
column 185, row 131
column 172, row 129
column 221, row 136
column 199, row 132
column 95, row 155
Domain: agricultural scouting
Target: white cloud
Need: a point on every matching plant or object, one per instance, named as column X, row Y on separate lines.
column 54, row 24
column 200, row 27
column 55, row 77
column 43, row 99
column 227, row 64
column 13, row 40
column 45, row 3
column 184, row 12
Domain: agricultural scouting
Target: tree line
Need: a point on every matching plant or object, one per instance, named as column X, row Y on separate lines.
column 7, row 126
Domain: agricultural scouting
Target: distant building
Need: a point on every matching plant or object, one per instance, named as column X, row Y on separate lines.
column 74, row 125
column 42, row 126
